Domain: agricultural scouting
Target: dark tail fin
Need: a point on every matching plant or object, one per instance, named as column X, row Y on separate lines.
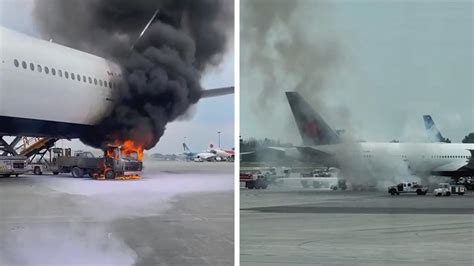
column 186, row 148
column 432, row 130
column 313, row 129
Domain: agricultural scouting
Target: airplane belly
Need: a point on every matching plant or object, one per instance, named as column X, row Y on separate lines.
column 33, row 95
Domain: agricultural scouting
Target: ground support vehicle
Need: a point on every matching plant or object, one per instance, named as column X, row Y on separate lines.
column 12, row 165
column 446, row 189
column 254, row 180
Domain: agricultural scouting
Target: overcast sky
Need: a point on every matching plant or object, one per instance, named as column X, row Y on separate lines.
column 397, row 60
column 209, row 115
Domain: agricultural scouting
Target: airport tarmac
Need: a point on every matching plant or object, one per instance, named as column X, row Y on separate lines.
column 179, row 213
column 296, row 226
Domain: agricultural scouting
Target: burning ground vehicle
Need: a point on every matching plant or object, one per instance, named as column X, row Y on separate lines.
column 408, row 188
column 119, row 162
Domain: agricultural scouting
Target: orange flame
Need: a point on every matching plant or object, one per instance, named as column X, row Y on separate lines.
column 129, row 148
column 110, row 154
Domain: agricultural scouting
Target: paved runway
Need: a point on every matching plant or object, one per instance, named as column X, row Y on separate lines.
column 293, row 226
column 177, row 214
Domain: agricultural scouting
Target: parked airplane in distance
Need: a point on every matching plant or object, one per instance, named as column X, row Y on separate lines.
column 198, row 157
column 225, row 154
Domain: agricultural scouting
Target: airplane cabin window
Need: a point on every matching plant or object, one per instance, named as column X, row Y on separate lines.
column 95, row 81
column 46, row 70
column 100, row 82
column 90, row 80
column 84, row 79
column 17, row 64
column 24, row 65
column 53, row 71
column 73, row 77
column 40, row 69
column 32, row 67
column 66, row 74
column 79, row 78
column 110, row 85
column 60, row 73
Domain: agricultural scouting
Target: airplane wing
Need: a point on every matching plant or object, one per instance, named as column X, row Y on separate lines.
column 305, row 150
column 450, row 167
column 312, row 151
column 276, row 149
column 217, row 92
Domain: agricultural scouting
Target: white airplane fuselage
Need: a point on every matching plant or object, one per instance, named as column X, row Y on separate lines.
column 221, row 153
column 49, row 89
column 205, row 156
column 420, row 158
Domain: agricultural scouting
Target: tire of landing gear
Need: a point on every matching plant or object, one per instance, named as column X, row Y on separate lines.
column 448, row 194
column 77, row 172
column 55, row 173
column 109, row 174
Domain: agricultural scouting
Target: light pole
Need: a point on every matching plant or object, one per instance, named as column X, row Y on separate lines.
column 219, row 138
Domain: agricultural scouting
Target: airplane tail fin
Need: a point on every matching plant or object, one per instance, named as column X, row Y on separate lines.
column 433, row 133
column 186, row 148
column 312, row 127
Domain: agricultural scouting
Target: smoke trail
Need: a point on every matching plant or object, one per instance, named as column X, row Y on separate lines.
column 290, row 45
column 286, row 43
column 162, row 74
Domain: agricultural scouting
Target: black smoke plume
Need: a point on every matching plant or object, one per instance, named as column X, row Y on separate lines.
column 162, row 73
